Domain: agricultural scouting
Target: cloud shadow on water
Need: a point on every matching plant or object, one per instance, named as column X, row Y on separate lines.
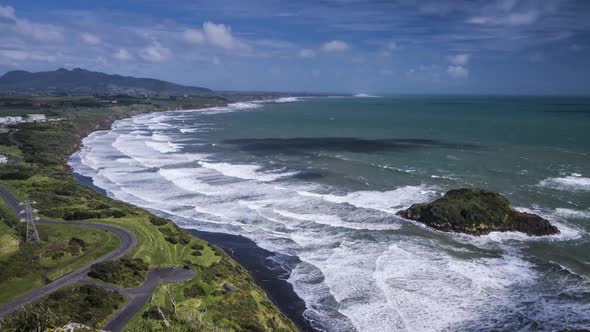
column 343, row 144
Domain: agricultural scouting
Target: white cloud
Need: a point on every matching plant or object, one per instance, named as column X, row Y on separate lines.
column 459, row 59
column 458, row 71
column 218, row 35
column 388, row 49
column 18, row 56
column 391, row 46
column 7, row 12
column 194, row 36
column 123, row 55
column 90, row 39
column 155, row 53
column 510, row 19
column 522, row 18
column 307, row 54
column 335, row 46
column 24, row 28
column 430, row 73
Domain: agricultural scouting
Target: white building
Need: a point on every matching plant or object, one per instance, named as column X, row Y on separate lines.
column 3, row 159
column 11, row 119
column 36, row 117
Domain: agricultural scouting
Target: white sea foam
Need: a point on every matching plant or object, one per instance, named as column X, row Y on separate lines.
column 430, row 290
column 567, row 231
column 246, row 172
column 286, row 100
column 234, row 107
column 335, row 221
column 164, row 147
column 364, row 95
column 390, row 201
column 189, row 130
column 572, row 214
column 573, row 182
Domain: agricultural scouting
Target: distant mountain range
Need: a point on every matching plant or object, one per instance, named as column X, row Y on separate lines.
column 84, row 82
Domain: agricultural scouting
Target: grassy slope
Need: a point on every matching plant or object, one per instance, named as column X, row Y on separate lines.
column 45, row 148
column 87, row 304
column 9, row 237
column 31, row 265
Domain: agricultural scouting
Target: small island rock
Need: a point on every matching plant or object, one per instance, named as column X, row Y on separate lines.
column 477, row 212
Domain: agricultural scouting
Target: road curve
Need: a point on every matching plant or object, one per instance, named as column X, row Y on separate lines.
column 140, row 295
column 127, row 242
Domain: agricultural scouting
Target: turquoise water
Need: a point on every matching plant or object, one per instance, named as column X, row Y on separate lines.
column 322, row 179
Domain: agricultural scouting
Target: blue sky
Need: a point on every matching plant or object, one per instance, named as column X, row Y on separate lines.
column 381, row 47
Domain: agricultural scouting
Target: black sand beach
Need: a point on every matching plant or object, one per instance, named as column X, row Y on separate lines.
column 268, row 274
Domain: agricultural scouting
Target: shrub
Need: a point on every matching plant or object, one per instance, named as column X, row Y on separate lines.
column 157, row 221
column 15, row 176
column 194, row 291
column 154, row 313
column 124, row 272
column 81, row 215
column 77, row 242
column 167, row 231
column 197, row 247
column 116, row 213
column 84, row 304
column 172, row 240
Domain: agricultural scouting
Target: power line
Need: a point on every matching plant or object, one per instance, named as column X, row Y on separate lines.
column 28, row 217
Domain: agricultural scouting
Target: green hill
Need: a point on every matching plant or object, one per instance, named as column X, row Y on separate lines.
column 84, row 82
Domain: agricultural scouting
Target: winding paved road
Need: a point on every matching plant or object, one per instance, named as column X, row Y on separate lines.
column 137, row 296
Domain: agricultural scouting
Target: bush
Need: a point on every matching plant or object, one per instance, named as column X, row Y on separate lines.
column 124, row 272
column 77, row 242
column 15, row 176
column 154, row 313
column 167, row 231
column 115, row 213
column 197, row 247
column 81, row 215
column 172, row 240
column 84, row 304
column 157, row 221
column 185, row 239
column 194, row 291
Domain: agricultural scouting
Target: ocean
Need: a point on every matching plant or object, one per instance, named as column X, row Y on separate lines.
column 316, row 183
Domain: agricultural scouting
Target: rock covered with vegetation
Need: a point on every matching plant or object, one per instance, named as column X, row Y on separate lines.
column 477, row 212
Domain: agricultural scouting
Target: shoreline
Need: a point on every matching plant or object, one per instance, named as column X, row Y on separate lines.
column 267, row 274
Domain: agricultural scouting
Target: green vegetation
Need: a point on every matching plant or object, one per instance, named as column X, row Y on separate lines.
column 128, row 273
column 43, row 174
column 86, row 304
column 476, row 211
column 10, row 232
column 183, row 322
column 65, row 248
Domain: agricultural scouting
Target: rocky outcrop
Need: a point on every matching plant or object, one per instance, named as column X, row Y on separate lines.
column 477, row 212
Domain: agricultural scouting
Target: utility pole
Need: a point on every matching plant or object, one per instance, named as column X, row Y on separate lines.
column 29, row 218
